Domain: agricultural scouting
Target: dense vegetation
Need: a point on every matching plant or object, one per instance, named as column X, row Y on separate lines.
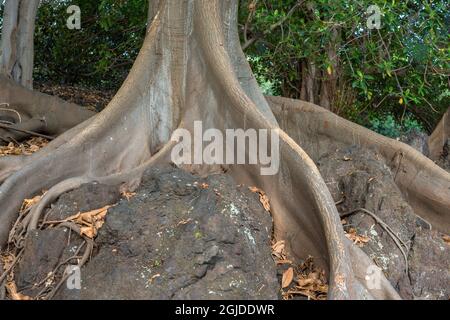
column 392, row 80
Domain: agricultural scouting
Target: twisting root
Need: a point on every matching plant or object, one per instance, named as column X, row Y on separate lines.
column 19, row 117
column 424, row 184
column 86, row 255
column 50, row 196
column 398, row 241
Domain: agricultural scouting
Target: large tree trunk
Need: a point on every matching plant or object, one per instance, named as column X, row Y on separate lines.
column 191, row 67
column 18, row 40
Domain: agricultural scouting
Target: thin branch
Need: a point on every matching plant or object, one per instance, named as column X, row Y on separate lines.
column 395, row 74
column 251, row 41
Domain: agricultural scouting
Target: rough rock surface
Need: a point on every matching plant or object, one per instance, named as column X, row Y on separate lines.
column 2, row 284
column 418, row 140
column 444, row 160
column 87, row 197
column 360, row 179
column 179, row 237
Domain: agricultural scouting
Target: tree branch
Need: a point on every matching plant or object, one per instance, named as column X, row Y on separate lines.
column 251, row 41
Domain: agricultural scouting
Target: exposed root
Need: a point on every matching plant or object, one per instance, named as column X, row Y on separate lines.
column 425, row 185
column 398, row 241
column 9, row 110
column 11, row 266
column 84, row 259
column 23, row 131
column 31, row 112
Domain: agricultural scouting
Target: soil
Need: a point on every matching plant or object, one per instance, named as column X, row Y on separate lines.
column 95, row 100
column 179, row 237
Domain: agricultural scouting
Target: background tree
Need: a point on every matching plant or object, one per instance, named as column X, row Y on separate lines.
column 17, row 40
column 98, row 55
column 23, row 113
column 323, row 52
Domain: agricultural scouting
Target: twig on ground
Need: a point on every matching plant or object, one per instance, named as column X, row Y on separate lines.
column 7, row 127
column 399, row 242
column 7, row 271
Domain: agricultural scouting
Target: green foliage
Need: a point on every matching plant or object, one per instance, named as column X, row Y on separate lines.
column 268, row 86
column 101, row 53
column 390, row 127
column 401, row 68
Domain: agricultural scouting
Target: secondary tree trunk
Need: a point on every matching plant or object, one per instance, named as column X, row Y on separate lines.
column 18, row 40
column 21, row 108
column 191, row 67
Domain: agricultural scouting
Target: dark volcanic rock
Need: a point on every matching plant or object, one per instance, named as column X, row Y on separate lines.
column 43, row 250
column 182, row 237
column 362, row 180
column 430, row 266
column 88, row 197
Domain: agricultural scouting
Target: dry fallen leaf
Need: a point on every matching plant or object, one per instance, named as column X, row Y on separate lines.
column 357, row 239
column 128, row 195
column 262, row 197
column 284, row 261
column 26, row 148
column 446, row 239
column 12, row 291
column 288, row 276
column 184, row 222
column 278, row 250
column 28, row 203
column 90, row 222
column 309, row 282
column 204, row 186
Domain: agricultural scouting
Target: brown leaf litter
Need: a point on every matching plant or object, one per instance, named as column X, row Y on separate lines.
column 263, row 198
column 359, row 240
column 25, row 148
column 304, row 280
column 89, row 222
